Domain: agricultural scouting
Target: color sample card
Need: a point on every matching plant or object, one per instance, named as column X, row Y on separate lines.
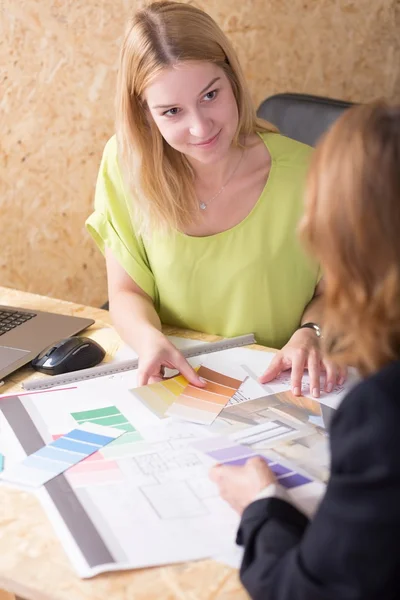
column 110, row 416
column 225, row 451
column 58, row 456
column 94, row 470
column 158, row 397
column 203, row 405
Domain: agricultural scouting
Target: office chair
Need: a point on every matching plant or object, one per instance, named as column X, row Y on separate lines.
column 302, row 117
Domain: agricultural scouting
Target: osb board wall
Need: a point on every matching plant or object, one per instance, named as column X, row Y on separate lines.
column 58, row 61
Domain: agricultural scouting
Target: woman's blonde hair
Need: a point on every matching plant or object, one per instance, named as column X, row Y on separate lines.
column 160, row 178
column 352, row 226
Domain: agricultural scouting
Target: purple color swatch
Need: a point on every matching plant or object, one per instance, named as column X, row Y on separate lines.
column 239, row 462
column 279, row 470
column 231, row 453
column 294, row 480
column 223, row 451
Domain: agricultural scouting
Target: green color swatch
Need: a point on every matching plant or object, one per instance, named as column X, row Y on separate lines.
column 110, row 416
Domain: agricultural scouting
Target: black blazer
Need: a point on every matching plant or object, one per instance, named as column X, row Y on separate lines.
column 351, row 549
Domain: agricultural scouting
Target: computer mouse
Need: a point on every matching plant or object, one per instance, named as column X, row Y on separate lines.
column 69, row 354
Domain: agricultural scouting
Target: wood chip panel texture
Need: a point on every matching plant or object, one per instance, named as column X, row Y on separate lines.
column 58, row 61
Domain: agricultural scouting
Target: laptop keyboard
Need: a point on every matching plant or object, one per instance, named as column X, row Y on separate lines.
column 9, row 319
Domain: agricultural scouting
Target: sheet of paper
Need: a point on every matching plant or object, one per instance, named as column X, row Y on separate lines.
column 285, row 424
column 253, row 363
column 147, row 485
column 58, row 456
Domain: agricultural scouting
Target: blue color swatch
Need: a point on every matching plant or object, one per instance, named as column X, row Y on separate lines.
column 58, row 456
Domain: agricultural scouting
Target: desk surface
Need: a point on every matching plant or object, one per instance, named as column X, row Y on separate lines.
column 32, row 562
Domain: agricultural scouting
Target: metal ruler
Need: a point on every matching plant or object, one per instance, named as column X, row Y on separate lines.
column 130, row 365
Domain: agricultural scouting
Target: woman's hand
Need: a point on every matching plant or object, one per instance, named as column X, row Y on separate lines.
column 156, row 354
column 303, row 352
column 240, row 485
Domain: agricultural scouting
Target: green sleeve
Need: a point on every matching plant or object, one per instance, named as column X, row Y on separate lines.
column 111, row 224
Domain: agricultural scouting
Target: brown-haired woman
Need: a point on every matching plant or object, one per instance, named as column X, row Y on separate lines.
column 351, row 549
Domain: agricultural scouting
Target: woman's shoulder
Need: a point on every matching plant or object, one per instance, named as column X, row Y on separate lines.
column 110, row 153
column 374, row 403
column 287, row 151
column 364, row 431
column 385, row 382
column 388, row 377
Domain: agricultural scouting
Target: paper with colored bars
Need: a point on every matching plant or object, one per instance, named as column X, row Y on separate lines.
column 58, row 456
column 226, row 451
column 203, row 405
column 175, row 397
column 102, row 467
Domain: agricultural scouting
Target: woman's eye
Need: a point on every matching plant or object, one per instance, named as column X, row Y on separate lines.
column 211, row 95
column 171, row 112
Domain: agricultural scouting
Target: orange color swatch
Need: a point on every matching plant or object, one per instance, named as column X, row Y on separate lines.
column 203, row 405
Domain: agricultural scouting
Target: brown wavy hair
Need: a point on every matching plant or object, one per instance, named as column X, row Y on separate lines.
column 161, row 179
column 352, row 226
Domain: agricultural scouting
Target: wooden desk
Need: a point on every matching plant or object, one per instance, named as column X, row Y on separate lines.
column 32, row 562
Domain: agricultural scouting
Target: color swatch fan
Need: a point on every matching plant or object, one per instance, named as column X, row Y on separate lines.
column 175, row 397
column 222, row 450
column 60, row 455
column 203, row 405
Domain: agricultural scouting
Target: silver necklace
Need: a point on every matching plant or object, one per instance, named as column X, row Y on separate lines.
column 203, row 205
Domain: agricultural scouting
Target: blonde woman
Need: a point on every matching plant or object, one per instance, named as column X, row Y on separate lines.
column 197, row 204
column 351, row 549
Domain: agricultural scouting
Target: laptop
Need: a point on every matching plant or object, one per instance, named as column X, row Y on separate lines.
column 25, row 333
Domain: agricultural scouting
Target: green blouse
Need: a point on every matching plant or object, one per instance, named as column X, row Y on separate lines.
column 253, row 278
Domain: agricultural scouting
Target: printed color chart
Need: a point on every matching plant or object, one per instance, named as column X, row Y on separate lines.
column 225, row 451
column 158, row 397
column 93, row 470
column 203, row 405
column 110, row 416
column 58, row 456
column 176, row 397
